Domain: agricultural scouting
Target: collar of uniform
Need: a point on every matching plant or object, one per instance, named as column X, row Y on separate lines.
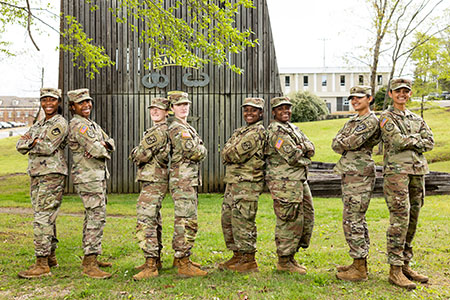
column 175, row 119
column 399, row 112
column 83, row 119
column 44, row 120
column 363, row 117
column 255, row 124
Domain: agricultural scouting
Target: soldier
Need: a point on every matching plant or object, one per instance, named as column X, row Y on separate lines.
column 355, row 142
column 91, row 148
column 243, row 155
column 288, row 155
column 152, row 159
column 187, row 153
column 406, row 137
column 44, row 143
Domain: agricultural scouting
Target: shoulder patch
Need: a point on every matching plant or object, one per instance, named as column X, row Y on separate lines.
column 279, row 143
column 360, row 127
column 383, row 122
column 247, row 145
column 389, row 127
column 185, row 135
column 83, row 129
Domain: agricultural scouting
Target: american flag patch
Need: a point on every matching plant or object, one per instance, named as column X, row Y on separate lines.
column 185, row 135
column 83, row 129
column 279, row 143
column 383, row 122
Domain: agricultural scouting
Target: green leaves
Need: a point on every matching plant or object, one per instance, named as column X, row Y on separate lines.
column 92, row 57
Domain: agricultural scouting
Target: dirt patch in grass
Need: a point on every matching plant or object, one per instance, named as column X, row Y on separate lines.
column 29, row 211
column 33, row 292
column 11, row 175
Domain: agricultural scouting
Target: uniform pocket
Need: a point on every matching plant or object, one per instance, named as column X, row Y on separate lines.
column 286, row 211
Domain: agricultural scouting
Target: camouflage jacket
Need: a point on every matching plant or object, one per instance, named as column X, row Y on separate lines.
column 47, row 155
column 355, row 142
column 243, row 154
column 405, row 136
column 288, row 152
column 152, row 155
column 86, row 136
column 186, row 154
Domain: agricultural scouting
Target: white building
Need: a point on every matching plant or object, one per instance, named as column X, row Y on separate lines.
column 332, row 84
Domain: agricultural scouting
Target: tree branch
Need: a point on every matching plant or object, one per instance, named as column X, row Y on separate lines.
column 29, row 26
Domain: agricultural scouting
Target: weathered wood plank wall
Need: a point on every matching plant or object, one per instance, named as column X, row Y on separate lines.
column 121, row 99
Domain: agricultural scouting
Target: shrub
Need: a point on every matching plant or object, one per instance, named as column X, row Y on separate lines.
column 379, row 99
column 307, row 107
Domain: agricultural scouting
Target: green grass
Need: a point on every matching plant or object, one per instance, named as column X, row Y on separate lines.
column 328, row 248
column 321, row 133
column 11, row 161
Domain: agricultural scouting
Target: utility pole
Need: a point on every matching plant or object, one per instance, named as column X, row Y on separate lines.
column 324, row 40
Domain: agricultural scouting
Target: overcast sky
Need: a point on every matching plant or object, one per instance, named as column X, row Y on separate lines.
column 301, row 30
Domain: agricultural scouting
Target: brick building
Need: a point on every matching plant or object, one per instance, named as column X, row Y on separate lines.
column 17, row 109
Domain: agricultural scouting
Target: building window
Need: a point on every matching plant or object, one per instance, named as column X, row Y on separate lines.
column 361, row 79
column 324, row 80
column 305, row 81
column 27, row 114
column 342, row 80
column 9, row 114
column 287, row 81
column 15, row 102
column 1, row 114
column 346, row 101
column 18, row 114
column 380, row 79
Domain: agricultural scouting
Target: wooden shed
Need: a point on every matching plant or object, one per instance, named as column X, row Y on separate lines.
column 122, row 93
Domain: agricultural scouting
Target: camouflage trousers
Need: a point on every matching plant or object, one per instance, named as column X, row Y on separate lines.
column 93, row 195
column 239, row 207
column 404, row 194
column 149, row 221
column 287, row 198
column 185, row 226
column 308, row 216
column 46, row 196
column 356, row 193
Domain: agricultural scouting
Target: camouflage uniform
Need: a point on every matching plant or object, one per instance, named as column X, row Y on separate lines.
column 187, row 153
column 47, row 168
column 355, row 142
column 406, row 137
column 243, row 156
column 308, row 216
column 152, row 159
column 90, row 174
column 288, row 155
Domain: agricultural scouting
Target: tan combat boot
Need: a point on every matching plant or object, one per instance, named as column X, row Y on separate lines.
column 103, row 264
column 356, row 272
column 187, row 269
column 344, row 268
column 285, row 264
column 292, row 258
column 39, row 269
column 150, row 270
column 413, row 275
column 246, row 264
column 158, row 265
column 52, row 261
column 232, row 261
column 90, row 267
column 396, row 277
column 176, row 263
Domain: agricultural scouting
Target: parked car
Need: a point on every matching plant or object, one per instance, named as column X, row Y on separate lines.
column 5, row 125
column 445, row 95
column 433, row 96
